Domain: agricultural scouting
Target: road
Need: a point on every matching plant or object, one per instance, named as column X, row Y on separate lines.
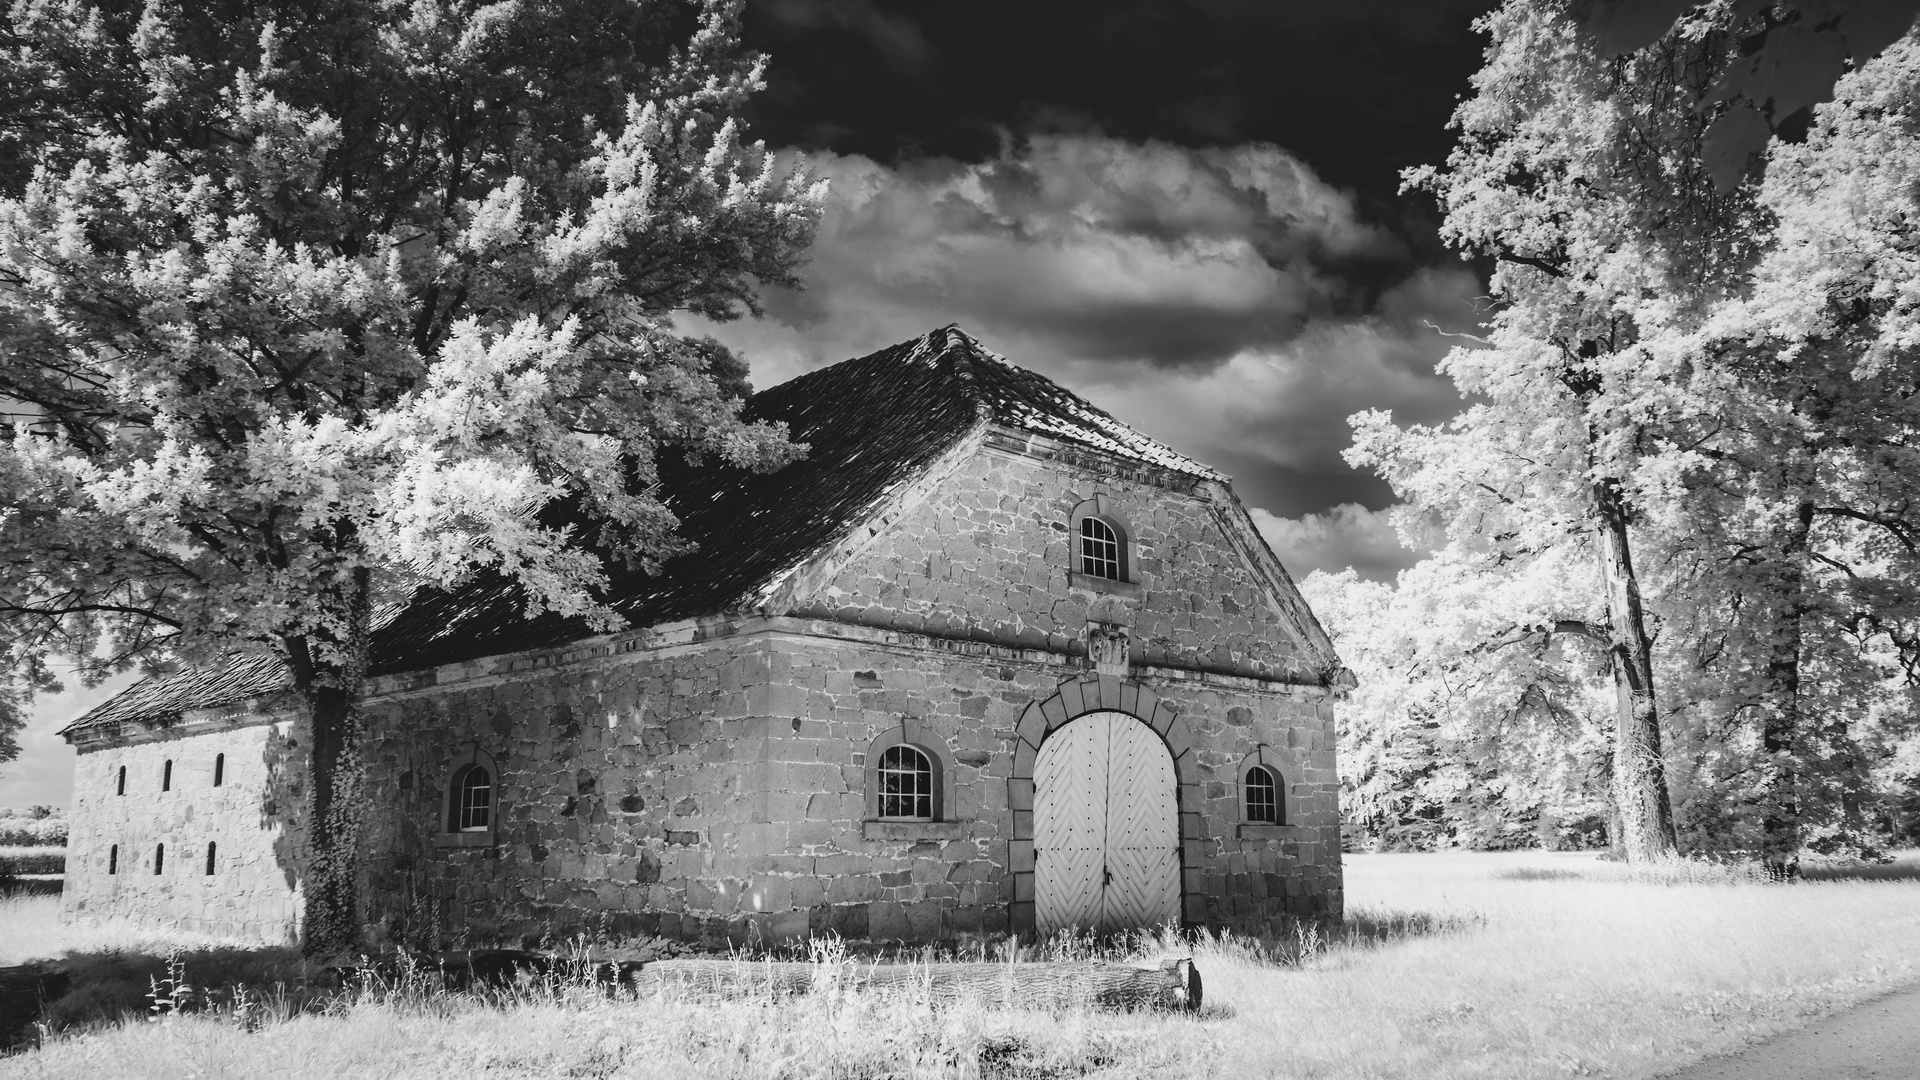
column 1879, row 1040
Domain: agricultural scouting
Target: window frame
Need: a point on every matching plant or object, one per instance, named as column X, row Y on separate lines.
column 1102, row 553
column 445, row 835
column 1266, row 811
column 1264, row 757
column 461, row 807
column 945, row 823
column 930, row 796
column 1107, row 511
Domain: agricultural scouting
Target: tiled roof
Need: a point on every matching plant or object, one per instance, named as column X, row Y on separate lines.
column 167, row 696
column 870, row 424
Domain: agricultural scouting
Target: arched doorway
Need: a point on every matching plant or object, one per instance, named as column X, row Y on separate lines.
column 1106, row 827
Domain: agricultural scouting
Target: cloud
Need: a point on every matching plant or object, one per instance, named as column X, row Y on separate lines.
column 1347, row 535
column 1225, row 300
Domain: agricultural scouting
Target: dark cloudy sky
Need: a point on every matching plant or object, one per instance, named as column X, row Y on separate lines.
column 1185, row 210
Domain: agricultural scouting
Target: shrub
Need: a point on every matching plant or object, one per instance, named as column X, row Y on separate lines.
column 35, row 826
column 33, row 860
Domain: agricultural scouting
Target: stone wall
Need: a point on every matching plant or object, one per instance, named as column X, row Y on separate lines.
column 712, row 792
column 987, row 556
column 616, row 780
column 1256, row 876
column 253, row 818
column 718, row 792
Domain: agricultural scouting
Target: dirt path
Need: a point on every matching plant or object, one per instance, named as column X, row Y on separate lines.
column 1879, row 1040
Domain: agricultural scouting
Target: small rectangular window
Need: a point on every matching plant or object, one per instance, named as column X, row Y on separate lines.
column 113, row 859
column 209, row 858
column 122, row 789
column 159, row 858
column 219, row 769
column 166, row 776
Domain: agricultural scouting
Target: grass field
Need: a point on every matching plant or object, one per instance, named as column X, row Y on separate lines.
column 1517, row 965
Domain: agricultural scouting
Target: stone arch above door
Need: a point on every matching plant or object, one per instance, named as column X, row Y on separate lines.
column 1074, row 699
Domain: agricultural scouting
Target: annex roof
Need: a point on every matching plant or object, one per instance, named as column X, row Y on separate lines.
column 870, row 424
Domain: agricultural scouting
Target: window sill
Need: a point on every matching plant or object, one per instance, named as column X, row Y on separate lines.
column 1272, row 832
column 913, row 830
column 463, row 839
column 1109, row 586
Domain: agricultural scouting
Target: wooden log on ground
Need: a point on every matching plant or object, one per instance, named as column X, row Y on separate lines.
column 1172, row 984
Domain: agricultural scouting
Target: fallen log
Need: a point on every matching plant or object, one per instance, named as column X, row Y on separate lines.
column 1173, row 984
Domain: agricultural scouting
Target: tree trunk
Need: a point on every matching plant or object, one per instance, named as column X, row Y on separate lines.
column 1616, row 844
column 330, row 923
column 1782, row 724
column 1639, row 771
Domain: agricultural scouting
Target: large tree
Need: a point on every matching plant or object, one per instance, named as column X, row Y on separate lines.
column 1649, row 393
column 1809, row 473
column 328, row 302
column 1582, row 179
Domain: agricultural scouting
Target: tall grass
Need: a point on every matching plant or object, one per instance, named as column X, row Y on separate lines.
column 31, row 930
column 1452, row 965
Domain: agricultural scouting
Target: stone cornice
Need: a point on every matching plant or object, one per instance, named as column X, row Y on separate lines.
column 275, row 709
column 691, row 636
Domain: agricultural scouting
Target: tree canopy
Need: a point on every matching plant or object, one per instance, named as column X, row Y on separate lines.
column 1703, row 388
column 329, row 302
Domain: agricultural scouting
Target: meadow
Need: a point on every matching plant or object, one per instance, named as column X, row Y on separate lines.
column 1517, row 965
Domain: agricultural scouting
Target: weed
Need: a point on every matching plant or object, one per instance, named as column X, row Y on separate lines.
column 170, row 994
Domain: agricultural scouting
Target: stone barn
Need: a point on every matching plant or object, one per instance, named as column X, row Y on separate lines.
column 985, row 661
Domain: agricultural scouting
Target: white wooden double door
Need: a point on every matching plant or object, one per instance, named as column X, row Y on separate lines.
column 1106, row 829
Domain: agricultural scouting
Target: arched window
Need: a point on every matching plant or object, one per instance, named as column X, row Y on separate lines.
column 906, row 784
column 166, row 776
column 908, row 769
column 209, row 858
column 122, row 789
column 219, row 769
column 1263, row 788
column 159, row 857
column 1099, row 549
column 1102, row 545
column 113, row 859
column 472, row 801
column 1263, row 796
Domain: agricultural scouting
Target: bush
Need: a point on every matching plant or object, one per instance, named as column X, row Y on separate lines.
column 32, row 860
column 35, row 826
